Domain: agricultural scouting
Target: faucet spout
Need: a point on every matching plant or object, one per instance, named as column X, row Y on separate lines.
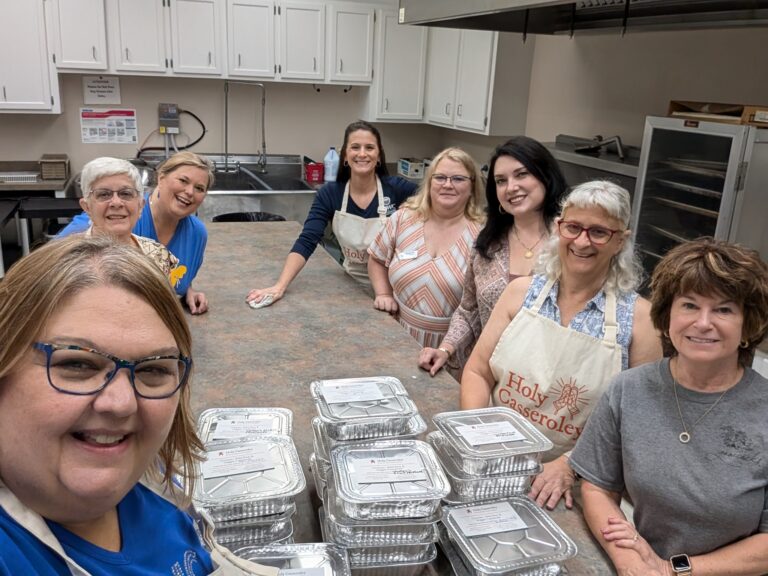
column 262, row 162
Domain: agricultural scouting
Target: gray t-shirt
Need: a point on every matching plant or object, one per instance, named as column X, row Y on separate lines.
column 689, row 498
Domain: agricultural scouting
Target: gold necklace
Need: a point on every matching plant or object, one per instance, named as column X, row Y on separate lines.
column 528, row 250
column 685, row 435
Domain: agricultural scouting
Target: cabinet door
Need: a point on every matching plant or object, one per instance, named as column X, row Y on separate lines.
column 350, row 35
column 197, row 28
column 80, row 31
column 251, row 25
column 137, row 40
column 474, row 82
column 401, row 63
column 27, row 79
column 302, row 41
column 442, row 63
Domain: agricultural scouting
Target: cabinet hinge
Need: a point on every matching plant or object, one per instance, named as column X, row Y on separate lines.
column 741, row 176
column 485, row 122
column 51, row 100
column 54, row 58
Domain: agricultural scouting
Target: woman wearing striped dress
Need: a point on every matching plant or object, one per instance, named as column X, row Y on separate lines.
column 418, row 261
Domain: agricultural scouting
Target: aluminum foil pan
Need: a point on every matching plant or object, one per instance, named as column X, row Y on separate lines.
column 388, row 479
column 216, row 424
column 320, row 472
column 361, row 408
column 257, row 534
column 244, row 479
column 492, row 441
column 325, row 559
column 381, row 556
column 352, row 532
column 507, row 536
column 323, row 443
column 466, row 488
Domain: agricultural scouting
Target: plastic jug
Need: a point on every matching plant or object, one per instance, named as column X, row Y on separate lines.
column 331, row 164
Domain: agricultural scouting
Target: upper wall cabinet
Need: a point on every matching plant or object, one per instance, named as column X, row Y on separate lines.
column 78, row 34
column 350, row 34
column 251, row 38
column 302, row 41
column 167, row 36
column 442, row 72
column 397, row 93
column 28, row 81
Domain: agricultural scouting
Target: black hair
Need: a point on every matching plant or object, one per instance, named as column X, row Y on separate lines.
column 381, row 166
column 539, row 162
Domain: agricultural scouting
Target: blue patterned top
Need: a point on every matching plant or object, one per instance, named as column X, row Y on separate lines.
column 591, row 319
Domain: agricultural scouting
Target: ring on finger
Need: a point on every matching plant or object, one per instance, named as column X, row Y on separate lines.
column 635, row 537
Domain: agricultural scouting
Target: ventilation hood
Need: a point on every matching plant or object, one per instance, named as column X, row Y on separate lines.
column 567, row 17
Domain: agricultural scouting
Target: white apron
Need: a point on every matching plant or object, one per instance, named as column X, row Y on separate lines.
column 226, row 563
column 554, row 375
column 356, row 233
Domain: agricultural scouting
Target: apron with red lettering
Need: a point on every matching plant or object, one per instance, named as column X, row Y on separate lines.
column 554, row 375
column 356, row 233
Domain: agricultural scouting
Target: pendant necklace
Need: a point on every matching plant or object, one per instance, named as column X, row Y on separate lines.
column 528, row 250
column 685, row 435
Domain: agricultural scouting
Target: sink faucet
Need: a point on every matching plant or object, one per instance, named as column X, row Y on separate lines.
column 600, row 142
column 262, row 162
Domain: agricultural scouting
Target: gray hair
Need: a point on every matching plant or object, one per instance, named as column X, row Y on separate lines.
column 625, row 271
column 99, row 168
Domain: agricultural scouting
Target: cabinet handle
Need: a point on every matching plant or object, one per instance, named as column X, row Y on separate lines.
column 386, row 104
column 280, row 68
column 341, row 65
column 127, row 55
column 210, row 58
column 239, row 60
column 447, row 107
column 93, row 51
column 458, row 109
column 314, row 63
column 5, row 95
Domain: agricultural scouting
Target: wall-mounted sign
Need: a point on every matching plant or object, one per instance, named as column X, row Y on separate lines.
column 101, row 90
column 108, row 126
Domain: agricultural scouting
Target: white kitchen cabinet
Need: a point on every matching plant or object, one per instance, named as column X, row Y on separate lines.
column 302, row 41
column 79, row 34
column 251, row 38
column 350, row 35
column 478, row 81
column 167, row 36
column 397, row 93
column 28, row 80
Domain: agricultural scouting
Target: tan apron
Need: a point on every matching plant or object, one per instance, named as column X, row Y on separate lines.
column 226, row 563
column 554, row 375
column 356, row 233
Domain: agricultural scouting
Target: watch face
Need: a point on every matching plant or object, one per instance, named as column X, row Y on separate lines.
column 680, row 562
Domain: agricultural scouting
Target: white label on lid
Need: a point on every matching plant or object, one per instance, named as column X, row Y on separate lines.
column 491, row 433
column 232, row 461
column 488, row 519
column 302, row 572
column 339, row 393
column 398, row 469
column 242, row 426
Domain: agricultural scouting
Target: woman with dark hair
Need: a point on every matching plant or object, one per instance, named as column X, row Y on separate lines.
column 357, row 204
column 523, row 196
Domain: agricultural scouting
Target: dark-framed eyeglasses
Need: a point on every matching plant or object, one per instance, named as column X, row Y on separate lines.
column 456, row 180
column 597, row 234
column 84, row 371
column 105, row 194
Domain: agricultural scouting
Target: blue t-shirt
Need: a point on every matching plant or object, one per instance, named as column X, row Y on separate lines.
column 187, row 244
column 329, row 198
column 157, row 538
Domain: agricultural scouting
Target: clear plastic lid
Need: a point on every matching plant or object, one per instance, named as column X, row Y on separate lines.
column 486, row 433
column 217, row 424
column 241, row 471
column 507, row 535
column 388, row 471
column 350, row 400
column 305, row 559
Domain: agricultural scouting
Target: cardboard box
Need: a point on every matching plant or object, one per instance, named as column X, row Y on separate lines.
column 719, row 112
column 410, row 168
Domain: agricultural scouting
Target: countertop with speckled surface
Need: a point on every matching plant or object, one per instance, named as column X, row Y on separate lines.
column 324, row 327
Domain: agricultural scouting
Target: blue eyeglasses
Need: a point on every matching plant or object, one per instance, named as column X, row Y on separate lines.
column 84, row 371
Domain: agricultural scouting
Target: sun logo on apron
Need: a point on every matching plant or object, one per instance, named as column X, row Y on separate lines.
column 570, row 396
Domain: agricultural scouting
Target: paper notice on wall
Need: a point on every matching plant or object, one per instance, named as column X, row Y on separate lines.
column 101, row 90
column 108, row 126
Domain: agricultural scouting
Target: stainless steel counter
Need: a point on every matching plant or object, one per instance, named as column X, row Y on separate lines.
column 607, row 162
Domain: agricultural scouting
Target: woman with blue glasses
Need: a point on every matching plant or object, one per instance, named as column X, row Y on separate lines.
column 95, row 419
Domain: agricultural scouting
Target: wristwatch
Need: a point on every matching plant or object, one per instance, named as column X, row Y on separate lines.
column 681, row 565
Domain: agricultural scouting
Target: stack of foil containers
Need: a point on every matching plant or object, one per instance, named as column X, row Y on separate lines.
column 251, row 476
column 300, row 559
column 382, row 488
column 487, row 453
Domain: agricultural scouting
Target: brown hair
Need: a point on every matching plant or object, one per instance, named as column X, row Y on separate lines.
column 41, row 283
column 187, row 159
column 708, row 267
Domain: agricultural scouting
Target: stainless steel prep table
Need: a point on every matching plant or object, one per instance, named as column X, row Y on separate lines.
column 325, row 327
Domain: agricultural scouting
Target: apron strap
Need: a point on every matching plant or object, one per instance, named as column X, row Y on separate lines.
column 542, row 296
column 381, row 210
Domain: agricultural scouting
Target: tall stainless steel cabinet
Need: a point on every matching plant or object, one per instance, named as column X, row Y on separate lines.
column 700, row 179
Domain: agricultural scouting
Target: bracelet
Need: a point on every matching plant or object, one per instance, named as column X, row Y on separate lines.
column 445, row 350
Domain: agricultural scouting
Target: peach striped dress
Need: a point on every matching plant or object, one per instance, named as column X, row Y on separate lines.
column 427, row 290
